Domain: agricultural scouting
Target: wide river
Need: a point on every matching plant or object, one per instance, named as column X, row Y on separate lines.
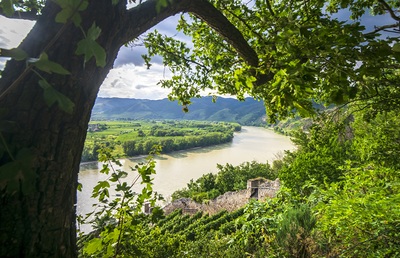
column 175, row 170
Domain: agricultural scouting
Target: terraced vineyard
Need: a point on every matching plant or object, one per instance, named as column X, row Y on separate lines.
column 184, row 235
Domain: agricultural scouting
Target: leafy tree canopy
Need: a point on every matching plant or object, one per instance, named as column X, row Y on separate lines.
column 296, row 52
column 303, row 54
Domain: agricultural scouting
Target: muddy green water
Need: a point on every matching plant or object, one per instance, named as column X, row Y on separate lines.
column 174, row 170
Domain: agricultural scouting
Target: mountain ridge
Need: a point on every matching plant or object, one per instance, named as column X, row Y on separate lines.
column 248, row 112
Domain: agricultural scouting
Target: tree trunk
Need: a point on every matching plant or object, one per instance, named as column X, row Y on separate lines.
column 41, row 223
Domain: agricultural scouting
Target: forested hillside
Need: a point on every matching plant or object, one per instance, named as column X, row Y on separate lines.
column 248, row 112
column 340, row 197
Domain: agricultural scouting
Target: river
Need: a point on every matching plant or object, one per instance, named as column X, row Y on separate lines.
column 174, row 170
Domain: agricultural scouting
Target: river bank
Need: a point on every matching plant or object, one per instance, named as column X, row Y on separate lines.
column 175, row 170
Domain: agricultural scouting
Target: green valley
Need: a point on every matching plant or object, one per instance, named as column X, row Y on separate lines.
column 131, row 138
column 339, row 197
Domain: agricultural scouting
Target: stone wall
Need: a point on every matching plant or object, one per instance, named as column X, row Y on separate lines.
column 229, row 201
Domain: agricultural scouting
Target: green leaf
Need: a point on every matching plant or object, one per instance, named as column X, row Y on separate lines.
column 302, row 111
column 44, row 64
column 7, row 6
column 90, row 48
column 52, row 96
column 44, row 84
column 15, row 53
column 100, row 185
column 147, row 60
column 63, row 15
column 94, row 32
column 396, row 47
column 70, row 10
column 93, row 246
column 249, row 81
column 18, row 175
column 105, row 169
column 104, row 184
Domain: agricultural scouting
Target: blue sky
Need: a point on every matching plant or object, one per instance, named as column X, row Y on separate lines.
column 129, row 78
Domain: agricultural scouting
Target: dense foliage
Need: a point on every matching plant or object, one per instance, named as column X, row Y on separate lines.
column 132, row 138
column 306, row 55
column 344, row 169
column 340, row 197
column 199, row 235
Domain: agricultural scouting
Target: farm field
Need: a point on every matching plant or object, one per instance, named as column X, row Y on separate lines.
column 131, row 138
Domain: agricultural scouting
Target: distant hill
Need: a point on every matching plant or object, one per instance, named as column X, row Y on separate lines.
column 248, row 112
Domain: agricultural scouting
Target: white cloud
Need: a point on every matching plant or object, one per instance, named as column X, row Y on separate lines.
column 131, row 81
column 11, row 34
column 127, row 80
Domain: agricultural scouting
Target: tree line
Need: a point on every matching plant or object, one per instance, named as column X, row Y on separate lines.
column 139, row 137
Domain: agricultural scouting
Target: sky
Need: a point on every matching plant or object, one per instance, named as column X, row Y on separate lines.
column 130, row 78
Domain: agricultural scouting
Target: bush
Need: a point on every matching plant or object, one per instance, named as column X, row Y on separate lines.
column 294, row 234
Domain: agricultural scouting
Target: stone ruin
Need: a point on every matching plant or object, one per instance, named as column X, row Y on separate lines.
column 258, row 188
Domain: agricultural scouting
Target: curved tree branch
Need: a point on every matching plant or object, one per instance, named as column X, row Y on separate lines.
column 246, row 24
column 383, row 28
column 138, row 22
column 389, row 9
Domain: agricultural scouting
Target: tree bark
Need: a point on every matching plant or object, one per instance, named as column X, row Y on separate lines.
column 42, row 222
column 202, row 9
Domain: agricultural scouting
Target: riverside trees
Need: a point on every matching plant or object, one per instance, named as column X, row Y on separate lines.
column 138, row 138
column 284, row 56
